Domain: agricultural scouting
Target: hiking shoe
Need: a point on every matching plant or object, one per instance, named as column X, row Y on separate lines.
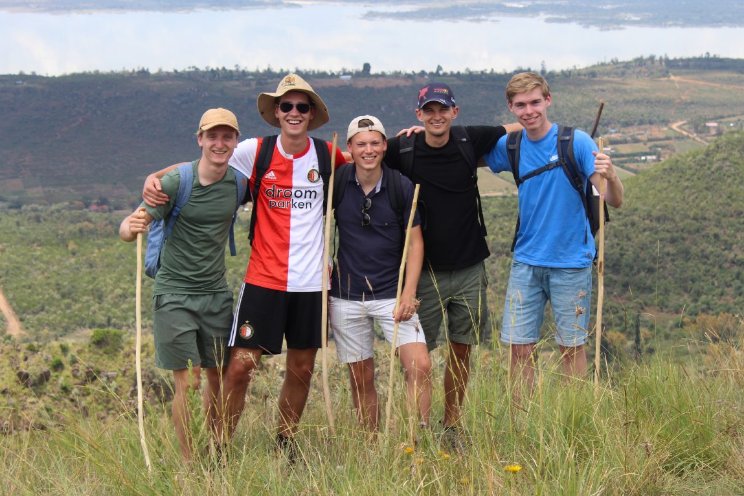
column 288, row 446
column 453, row 440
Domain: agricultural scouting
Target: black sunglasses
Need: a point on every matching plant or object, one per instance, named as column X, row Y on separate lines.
column 287, row 107
column 366, row 205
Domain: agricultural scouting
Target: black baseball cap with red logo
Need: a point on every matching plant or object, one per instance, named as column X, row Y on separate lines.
column 436, row 92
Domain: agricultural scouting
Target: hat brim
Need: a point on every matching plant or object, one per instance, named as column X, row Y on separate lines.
column 441, row 101
column 212, row 125
column 267, row 101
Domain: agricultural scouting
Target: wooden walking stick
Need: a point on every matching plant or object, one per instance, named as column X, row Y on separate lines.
column 324, row 311
column 596, row 120
column 600, row 274
column 401, row 272
column 138, row 353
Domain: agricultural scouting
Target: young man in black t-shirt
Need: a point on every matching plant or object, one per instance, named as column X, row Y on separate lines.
column 453, row 280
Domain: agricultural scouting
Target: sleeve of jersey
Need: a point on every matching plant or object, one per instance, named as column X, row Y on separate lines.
column 496, row 159
column 340, row 159
column 244, row 156
column 583, row 147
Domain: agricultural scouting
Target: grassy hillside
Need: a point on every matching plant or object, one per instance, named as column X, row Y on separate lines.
column 677, row 243
column 655, row 427
column 95, row 136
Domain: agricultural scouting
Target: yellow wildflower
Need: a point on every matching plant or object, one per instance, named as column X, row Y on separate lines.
column 514, row 468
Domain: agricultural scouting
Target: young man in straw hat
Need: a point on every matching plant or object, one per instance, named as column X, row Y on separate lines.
column 281, row 294
column 193, row 305
column 452, row 287
column 554, row 246
column 365, row 279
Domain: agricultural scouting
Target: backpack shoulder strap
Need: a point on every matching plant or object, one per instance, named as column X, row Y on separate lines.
column 460, row 135
column 395, row 194
column 513, row 141
column 241, row 186
column 324, row 166
column 567, row 158
column 263, row 159
column 340, row 181
column 407, row 145
column 185, row 184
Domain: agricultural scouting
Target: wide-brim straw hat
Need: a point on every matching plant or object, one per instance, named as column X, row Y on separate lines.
column 292, row 82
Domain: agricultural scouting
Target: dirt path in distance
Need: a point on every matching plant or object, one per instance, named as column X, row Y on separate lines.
column 13, row 325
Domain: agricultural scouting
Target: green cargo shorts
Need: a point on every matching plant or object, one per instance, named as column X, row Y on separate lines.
column 191, row 330
column 458, row 295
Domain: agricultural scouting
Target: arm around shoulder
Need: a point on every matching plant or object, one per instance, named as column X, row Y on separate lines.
column 512, row 126
column 152, row 191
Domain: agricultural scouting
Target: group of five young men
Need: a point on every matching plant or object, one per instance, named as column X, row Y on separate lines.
column 445, row 278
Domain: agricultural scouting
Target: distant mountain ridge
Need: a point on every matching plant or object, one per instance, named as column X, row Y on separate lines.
column 95, row 136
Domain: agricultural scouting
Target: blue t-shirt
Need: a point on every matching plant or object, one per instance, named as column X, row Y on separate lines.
column 369, row 256
column 553, row 228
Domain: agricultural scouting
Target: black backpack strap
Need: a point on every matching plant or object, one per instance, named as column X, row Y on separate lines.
column 567, row 160
column 263, row 159
column 406, row 144
column 340, row 181
column 460, row 135
column 513, row 141
column 395, row 194
column 324, row 166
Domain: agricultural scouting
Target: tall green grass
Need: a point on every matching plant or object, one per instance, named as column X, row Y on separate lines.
column 653, row 428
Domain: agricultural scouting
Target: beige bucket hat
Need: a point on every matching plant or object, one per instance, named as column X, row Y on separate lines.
column 292, row 82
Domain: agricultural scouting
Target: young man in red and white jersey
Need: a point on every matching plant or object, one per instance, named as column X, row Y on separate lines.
column 281, row 294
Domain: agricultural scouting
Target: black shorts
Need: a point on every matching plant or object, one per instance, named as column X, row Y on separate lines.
column 264, row 317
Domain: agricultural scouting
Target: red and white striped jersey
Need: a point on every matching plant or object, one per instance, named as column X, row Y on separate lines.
column 287, row 252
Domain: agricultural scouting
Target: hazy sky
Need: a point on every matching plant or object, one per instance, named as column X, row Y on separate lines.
column 324, row 35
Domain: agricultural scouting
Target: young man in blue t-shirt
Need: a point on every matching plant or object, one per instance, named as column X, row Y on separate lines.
column 554, row 246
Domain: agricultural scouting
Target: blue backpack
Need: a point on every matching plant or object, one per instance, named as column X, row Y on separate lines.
column 161, row 229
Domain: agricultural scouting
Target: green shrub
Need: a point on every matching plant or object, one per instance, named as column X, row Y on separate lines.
column 108, row 339
column 57, row 364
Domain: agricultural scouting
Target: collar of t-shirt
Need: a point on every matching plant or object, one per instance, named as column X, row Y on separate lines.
column 377, row 186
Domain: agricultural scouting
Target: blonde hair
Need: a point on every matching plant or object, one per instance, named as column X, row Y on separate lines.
column 525, row 82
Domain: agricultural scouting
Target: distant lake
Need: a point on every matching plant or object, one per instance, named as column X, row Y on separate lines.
column 328, row 36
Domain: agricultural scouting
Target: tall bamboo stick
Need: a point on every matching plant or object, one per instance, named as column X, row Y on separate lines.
column 401, row 273
column 600, row 274
column 324, row 311
column 138, row 353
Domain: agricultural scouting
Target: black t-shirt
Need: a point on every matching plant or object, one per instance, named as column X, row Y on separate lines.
column 447, row 199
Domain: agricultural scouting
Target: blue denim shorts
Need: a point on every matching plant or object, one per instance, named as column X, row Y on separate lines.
column 530, row 288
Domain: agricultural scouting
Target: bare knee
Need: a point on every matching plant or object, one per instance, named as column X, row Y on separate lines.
column 243, row 363
column 187, row 379
column 362, row 376
column 522, row 352
column 300, row 365
column 416, row 362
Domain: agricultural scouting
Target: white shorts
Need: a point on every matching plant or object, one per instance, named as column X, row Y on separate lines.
column 352, row 323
